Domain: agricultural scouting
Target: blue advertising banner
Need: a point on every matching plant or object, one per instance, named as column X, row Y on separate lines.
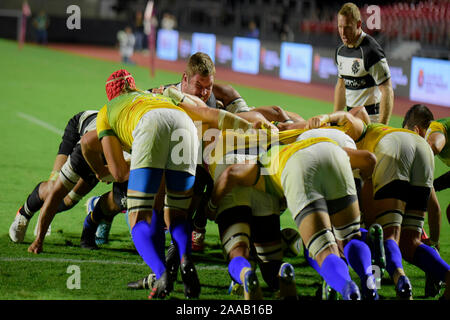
column 296, row 61
column 204, row 42
column 246, row 53
column 167, row 45
column 430, row 81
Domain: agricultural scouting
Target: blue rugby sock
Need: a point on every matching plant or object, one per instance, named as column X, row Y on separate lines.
column 429, row 260
column 335, row 272
column 147, row 241
column 359, row 258
column 89, row 225
column 181, row 235
column 364, row 233
column 235, row 267
column 393, row 256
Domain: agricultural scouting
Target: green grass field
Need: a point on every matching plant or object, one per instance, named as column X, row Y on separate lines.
column 40, row 90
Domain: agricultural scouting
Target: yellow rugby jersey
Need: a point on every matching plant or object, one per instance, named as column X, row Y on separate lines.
column 120, row 116
column 275, row 160
column 442, row 126
column 237, row 141
column 373, row 133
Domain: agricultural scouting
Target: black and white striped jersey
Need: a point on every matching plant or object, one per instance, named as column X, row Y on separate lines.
column 76, row 127
column 363, row 67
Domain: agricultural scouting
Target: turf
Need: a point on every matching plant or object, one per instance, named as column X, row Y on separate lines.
column 51, row 86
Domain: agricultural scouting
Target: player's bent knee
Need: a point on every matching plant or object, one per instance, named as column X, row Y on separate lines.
column 236, row 235
column 179, row 202
column 348, row 231
column 240, row 249
column 320, row 241
column 390, row 218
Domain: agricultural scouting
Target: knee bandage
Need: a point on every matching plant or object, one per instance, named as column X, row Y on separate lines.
column 239, row 232
column 68, row 176
column 269, row 252
column 347, row 231
column 178, row 201
column 392, row 218
column 74, row 196
column 139, row 201
column 319, row 242
column 413, row 222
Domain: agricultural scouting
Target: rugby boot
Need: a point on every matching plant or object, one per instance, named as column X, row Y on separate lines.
column 376, row 245
column 432, row 287
column 190, row 277
column 328, row 293
column 198, row 241
column 18, row 228
column 369, row 289
column 144, row 283
column 172, row 262
column 235, row 289
column 252, row 290
column 161, row 287
column 351, row 291
column 404, row 288
column 286, row 275
column 102, row 233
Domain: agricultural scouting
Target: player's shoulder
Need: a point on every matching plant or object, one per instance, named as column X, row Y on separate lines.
column 372, row 51
column 371, row 46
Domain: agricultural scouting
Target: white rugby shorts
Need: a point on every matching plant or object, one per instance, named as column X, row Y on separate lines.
column 165, row 139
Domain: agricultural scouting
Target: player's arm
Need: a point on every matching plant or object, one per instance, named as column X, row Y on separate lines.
column 363, row 160
column 256, row 117
column 339, row 95
column 225, row 93
column 215, row 118
column 354, row 126
column 387, row 101
column 276, row 113
column 245, row 175
column 112, row 149
column 93, row 154
column 437, row 141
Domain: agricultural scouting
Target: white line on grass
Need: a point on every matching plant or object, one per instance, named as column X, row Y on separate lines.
column 74, row 261
column 41, row 123
column 62, row 260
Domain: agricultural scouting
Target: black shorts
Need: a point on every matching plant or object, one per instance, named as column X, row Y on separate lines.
column 81, row 167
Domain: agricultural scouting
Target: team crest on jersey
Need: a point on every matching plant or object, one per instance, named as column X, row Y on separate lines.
column 355, row 66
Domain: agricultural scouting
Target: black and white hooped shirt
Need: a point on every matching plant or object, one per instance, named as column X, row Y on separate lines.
column 363, row 67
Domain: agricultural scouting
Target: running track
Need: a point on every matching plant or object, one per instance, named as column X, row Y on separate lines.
column 315, row 91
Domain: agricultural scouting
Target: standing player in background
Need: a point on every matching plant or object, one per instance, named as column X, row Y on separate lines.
column 363, row 71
